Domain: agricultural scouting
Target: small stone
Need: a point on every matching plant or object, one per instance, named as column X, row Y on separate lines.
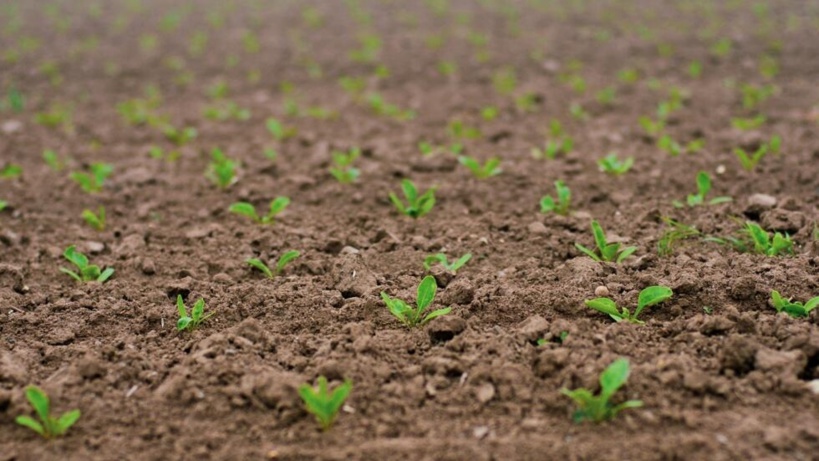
column 720, row 169
column 537, row 228
column 601, row 291
column 12, row 126
column 485, row 392
column 758, row 203
column 348, row 250
column 94, row 247
column 479, row 432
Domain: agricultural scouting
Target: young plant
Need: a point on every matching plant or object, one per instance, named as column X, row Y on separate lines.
column 277, row 206
column 322, row 403
column 651, row 127
column 755, row 239
column 611, row 164
column 53, row 160
column 87, row 272
column 283, row 261
column 675, row 233
column 222, row 170
column 11, row 171
column 609, row 252
column 278, row 130
column 487, row 170
column 648, row 297
column 343, row 169
column 746, row 124
column 95, row 220
column 417, row 205
column 3, row 205
column 793, row 308
column 703, row 187
column 178, row 136
column 441, row 259
column 415, row 317
column 598, row 408
column 560, row 206
column 93, row 180
column 48, row 426
column 552, row 148
column 196, row 317
column 749, row 161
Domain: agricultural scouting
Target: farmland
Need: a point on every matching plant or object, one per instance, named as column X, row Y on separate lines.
column 456, row 213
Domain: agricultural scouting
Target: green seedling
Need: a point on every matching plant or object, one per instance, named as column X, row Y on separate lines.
column 578, row 112
column 93, row 180
column 651, row 127
column 283, row 261
column 11, row 171
column 598, row 408
column 703, row 187
column 53, row 161
column 489, row 113
column 793, row 308
column 609, row 252
column 197, row 314
column 322, row 403
column 648, row 297
column 417, row 205
column 460, row 131
column 95, row 220
column 441, row 259
column 3, row 205
column 628, row 76
column 415, row 317
column 277, row 206
column 611, row 164
column 270, row 154
column 87, row 272
column 177, row 136
column 551, row 149
column 15, row 100
column 226, row 111
column 342, row 168
column 746, row 124
column 754, row 239
column 675, row 233
column 49, row 426
column 221, row 170
column 505, row 81
column 722, row 48
column 487, row 170
column 382, row 107
column 560, row 206
column 775, row 145
column 607, row 95
column 695, row 69
column 750, row 161
column 753, row 95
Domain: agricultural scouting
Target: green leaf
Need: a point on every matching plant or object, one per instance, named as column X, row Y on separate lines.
column 812, row 304
column 547, row 204
column 606, row 306
column 39, row 401
column 285, row 259
column 397, row 307
column 410, row 191
column 30, row 423
column 426, row 292
column 777, row 301
column 180, row 306
column 703, row 183
column 105, row 275
column 183, row 323
column 625, row 253
column 652, row 295
column 718, row 200
column 460, row 262
column 613, row 378
column 74, row 275
column 436, row 258
column 587, row 252
column 435, row 314
column 67, row 420
column 599, row 235
column 258, row 264
column 244, row 209
column 278, row 205
column 198, row 310
column 77, row 258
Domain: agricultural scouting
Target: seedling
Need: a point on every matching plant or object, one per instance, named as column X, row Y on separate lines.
column 179, row 137
column 793, row 308
column 460, row 131
column 283, row 261
column 598, row 408
column 755, row 239
column 11, row 171
column 441, row 259
column 673, row 148
column 753, row 95
column 609, row 252
column 648, row 297
column 560, row 206
column 417, row 205
column 343, row 169
column 552, row 148
column 3, row 205
column 675, row 233
column 607, row 95
column 222, row 170
column 703, row 187
column 651, row 127
column 578, row 112
column 322, row 403
column 93, row 180
column 695, row 69
column 222, row 111
column 749, row 161
column 487, row 170
column 382, row 107
column 95, row 220
column 415, row 317
column 277, row 206
column 196, row 317
column 49, row 426
column 278, row 130
column 746, row 124
column 53, row 161
column 611, row 164
column 87, row 272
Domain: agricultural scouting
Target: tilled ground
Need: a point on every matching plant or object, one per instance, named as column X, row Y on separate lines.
column 722, row 376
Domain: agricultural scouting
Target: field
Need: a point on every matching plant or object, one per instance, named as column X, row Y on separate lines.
column 166, row 114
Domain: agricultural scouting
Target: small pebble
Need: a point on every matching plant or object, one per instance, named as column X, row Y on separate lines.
column 601, row 291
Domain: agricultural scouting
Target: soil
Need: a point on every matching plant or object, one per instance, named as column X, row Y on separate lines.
column 721, row 374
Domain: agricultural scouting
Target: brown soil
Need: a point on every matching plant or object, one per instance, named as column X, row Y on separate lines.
column 730, row 384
